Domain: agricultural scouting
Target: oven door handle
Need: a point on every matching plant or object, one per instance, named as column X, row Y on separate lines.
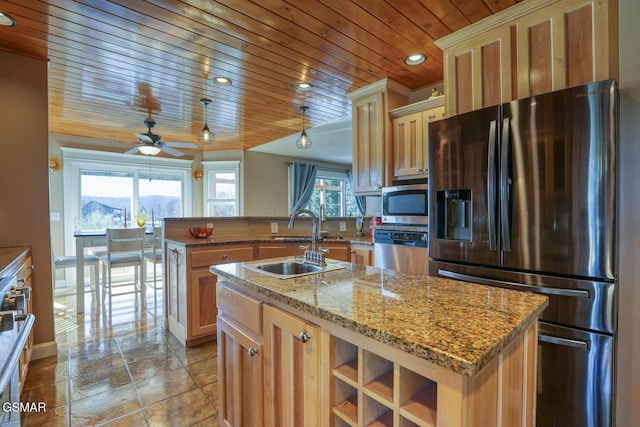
column 579, row 344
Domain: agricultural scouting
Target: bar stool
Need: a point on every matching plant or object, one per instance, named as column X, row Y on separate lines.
column 69, row 261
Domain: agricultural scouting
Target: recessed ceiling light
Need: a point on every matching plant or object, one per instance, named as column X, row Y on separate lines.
column 304, row 86
column 7, row 20
column 222, row 81
column 415, row 59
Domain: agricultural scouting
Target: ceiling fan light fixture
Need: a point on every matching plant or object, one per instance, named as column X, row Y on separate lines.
column 222, row 81
column 149, row 150
column 7, row 20
column 303, row 141
column 415, row 59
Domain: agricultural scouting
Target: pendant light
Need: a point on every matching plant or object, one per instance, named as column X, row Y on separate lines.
column 303, row 141
column 206, row 136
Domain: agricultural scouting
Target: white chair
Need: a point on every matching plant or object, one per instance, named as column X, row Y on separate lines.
column 154, row 256
column 125, row 248
column 92, row 261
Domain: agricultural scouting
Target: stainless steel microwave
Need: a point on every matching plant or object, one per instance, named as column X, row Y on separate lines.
column 406, row 204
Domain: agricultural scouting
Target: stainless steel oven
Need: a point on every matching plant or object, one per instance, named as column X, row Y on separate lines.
column 406, row 204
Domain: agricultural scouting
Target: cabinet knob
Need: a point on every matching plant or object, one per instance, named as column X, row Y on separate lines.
column 225, row 256
column 304, row 337
column 252, row 351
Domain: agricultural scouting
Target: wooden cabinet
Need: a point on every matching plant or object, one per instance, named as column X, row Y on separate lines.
column 240, row 358
column 339, row 251
column 292, row 370
column 24, row 280
column 372, row 157
column 191, row 297
column 276, row 250
column 533, row 47
column 411, row 136
column 361, row 254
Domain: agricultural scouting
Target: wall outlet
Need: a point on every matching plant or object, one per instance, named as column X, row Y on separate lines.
column 209, row 225
column 343, row 226
column 274, row 227
column 54, row 216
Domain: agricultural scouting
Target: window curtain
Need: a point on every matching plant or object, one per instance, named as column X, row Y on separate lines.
column 302, row 178
column 361, row 201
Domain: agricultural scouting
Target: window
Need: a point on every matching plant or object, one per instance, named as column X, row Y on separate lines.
column 99, row 188
column 221, row 189
column 334, row 191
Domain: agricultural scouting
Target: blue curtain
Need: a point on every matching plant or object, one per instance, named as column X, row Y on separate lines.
column 361, row 201
column 302, row 178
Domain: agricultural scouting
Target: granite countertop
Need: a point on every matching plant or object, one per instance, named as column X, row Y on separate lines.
column 232, row 240
column 460, row 326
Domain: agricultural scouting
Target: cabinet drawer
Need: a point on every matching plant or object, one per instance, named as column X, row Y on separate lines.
column 221, row 255
column 242, row 308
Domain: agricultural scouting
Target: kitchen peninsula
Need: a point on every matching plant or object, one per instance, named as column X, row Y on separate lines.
column 364, row 346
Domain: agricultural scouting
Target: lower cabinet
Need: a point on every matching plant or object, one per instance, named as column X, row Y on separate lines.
column 191, row 296
column 240, row 365
column 361, row 254
column 292, row 370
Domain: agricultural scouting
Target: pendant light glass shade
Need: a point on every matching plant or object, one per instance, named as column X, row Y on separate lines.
column 206, row 136
column 303, row 141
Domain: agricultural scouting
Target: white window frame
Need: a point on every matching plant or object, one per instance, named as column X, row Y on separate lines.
column 76, row 160
column 334, row 174
column 218, row 166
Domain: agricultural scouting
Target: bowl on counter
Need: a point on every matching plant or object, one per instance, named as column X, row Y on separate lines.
column 201, row 233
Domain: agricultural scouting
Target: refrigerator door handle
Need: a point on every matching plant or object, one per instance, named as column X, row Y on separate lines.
column 491, row 188
column 573, row 293
column 504, row 186
column 579, row 344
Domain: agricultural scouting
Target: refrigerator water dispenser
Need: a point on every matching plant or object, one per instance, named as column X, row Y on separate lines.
column 453, row 215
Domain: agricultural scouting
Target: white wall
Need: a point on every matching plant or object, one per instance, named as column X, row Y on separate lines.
column 628, row 375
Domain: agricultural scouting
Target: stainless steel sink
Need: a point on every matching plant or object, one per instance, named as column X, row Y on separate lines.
column 289, row 269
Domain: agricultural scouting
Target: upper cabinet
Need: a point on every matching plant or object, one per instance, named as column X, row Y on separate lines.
column 534, row 47
column 372, row 156
column 410, row 136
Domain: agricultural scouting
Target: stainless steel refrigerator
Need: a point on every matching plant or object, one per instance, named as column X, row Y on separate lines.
column 523, row 196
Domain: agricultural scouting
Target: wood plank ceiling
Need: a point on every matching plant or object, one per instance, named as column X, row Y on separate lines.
column 114, row 62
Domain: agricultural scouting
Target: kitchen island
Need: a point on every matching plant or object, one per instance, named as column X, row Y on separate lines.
column 368, row 346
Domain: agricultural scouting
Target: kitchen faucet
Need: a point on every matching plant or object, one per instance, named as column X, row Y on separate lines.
column 322, row 217
column 310, row 256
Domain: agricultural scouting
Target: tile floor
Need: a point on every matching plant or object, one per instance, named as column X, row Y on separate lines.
column 121, row 369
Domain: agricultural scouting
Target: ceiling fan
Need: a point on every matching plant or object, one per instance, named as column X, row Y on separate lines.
column 150, row 143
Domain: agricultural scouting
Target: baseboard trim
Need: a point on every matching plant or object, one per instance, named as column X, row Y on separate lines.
column 45, row 349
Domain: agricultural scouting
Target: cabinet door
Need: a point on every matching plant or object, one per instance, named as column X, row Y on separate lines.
column 564, row 45
column 428, row 116
column 408, row 146
column 368, row 144
column 292, row 369
column 240, row 391
column 202, row 303
column 478, row 72
column 337, row 251
column 361, row 254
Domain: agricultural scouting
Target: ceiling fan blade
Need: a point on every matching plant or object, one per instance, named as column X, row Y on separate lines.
column 171, row 151
column 134, row 150
column 181, row 144
column 144, row 138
